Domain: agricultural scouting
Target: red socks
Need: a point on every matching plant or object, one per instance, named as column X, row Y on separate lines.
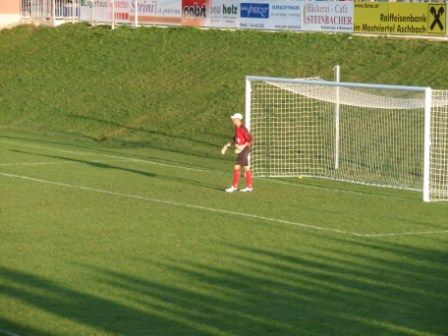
column 236, row 178
column 249, row 179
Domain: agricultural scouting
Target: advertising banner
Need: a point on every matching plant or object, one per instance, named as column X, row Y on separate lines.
column 98, row 11
column 225, row 14
column 196, row 13
column 409, row 18
column 157, row 11
column 328, row 16
column 278, row 15
column 101, row 10
column 121, row 10
column 360, row 16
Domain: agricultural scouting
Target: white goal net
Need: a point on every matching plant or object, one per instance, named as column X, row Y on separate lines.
column 382, row 135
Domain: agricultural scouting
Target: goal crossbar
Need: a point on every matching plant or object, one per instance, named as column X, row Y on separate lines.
column 340, row 84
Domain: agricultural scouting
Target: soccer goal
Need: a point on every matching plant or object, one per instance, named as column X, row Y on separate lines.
column 380, row 135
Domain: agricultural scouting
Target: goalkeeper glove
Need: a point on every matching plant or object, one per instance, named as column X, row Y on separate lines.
column 239, row 148
column 225, row 148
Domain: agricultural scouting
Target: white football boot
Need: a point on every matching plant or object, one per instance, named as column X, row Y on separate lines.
column 231, row 189
column 246, row 189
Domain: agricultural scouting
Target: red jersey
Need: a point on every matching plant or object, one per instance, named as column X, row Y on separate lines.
column 242, row 136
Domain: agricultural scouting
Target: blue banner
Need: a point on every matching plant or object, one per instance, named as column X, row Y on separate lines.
column 255, row 10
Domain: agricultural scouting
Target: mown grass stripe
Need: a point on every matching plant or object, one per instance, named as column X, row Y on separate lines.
column 223, row 211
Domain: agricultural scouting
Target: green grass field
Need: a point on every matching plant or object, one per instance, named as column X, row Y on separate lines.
column 113, row 219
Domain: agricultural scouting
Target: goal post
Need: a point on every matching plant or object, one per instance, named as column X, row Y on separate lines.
column 337, row 75
column 438, row 143
column 373, row 134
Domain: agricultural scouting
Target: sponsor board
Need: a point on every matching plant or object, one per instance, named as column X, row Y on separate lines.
column 278, row 15
column 286, row 15
column 328, row 16
column 400, row 18
column 225, row 14
column 157, row 11
column 251, row 10
column 101, row 10
column 362, row 16
column 196, row 13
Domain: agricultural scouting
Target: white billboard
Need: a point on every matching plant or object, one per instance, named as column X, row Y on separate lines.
column 225, row 14
column 271, row 15
column 157, row 11
column 292, row 15
column 328, row 16
column 101, row 10
column 286, row 15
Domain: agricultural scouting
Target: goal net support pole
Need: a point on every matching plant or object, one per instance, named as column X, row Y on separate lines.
column 247, row 111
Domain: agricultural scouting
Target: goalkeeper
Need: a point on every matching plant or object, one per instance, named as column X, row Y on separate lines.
column 242, row 140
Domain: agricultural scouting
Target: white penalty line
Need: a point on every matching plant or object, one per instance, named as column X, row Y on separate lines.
column 227, row 212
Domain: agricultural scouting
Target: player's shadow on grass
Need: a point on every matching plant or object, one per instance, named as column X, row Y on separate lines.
column 156, row 139
column 323, row 288
column 131, row 129
column 102, row 165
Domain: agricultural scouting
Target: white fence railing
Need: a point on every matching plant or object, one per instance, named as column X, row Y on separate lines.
column 36, row 9
column 51, row 9
column 69, row 9
column 100, row 11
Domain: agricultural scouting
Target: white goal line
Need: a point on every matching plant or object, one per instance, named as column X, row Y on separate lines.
column 34, row 163
column 201, row 170
column 222, row 211
column 8, row 333
column 112, row 156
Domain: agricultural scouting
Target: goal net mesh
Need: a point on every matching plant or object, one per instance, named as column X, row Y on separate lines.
column 438, row 178
column 380, row 132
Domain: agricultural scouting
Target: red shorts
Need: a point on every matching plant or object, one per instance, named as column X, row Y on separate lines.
column 243, row 157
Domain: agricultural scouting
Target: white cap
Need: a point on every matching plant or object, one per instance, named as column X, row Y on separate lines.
column 237, row 116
